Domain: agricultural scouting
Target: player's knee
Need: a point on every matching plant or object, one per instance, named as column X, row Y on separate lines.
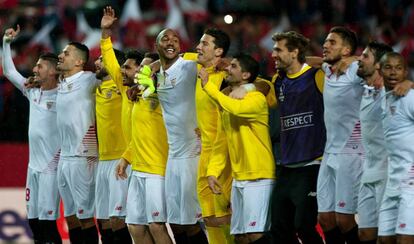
column 327, row 221
column 241, row 239
column 156, row 228
column 192, row 229
column 117, row 223
column 104, row 224
column 211, row 221
column 72, row 221
column 367, row 234
column 87, row 223
column 345, row 222
column 224, row 220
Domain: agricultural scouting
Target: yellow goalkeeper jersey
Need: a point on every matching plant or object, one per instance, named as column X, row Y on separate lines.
column 111, row 140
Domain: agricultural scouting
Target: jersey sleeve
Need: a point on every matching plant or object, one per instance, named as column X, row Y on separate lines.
column 248, row 107
column 110, row 62
column 218, row 159
column 410, row 105
column 127, row 155
column 352, row 73
column 10, row 71
column 190, row 56
column 271, row 95
column 320, row 79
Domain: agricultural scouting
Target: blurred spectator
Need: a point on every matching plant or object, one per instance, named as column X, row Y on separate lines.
column 390, row 21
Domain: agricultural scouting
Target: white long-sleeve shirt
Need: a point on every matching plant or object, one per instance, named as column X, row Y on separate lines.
column 44, row 142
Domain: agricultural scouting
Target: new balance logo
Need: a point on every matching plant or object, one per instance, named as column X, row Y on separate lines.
column 50, row 212
column 252, row 223
column 155, row 214
column 402, row 225
column 80, row 211
column 312, row 194
column 118, row 208
column 341, row 204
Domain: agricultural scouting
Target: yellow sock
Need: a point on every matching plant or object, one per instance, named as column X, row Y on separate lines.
column 215, row 235
column 225, row 229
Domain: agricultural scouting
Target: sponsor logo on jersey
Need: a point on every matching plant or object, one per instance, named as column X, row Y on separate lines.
column 296, row 121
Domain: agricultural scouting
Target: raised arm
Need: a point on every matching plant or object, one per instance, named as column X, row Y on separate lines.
column 107, row 51
column 9, row 69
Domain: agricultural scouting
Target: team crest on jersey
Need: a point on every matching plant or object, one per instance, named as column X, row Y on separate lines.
column 392, row 110
column 153, row 103
column 49, row 105
column 109, row 94
column 173, row 82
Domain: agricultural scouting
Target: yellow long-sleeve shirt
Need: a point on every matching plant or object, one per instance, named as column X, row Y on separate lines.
column 245, row 123
column 111, row 141
column 208, row 114
column 114, row 70
column 148, row 150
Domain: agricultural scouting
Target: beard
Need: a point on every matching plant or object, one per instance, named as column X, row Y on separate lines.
column 332, row 60
column 101, row 74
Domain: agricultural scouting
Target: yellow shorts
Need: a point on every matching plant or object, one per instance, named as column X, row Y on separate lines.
column 212, row 204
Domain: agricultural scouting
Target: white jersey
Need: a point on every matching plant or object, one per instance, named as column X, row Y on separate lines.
column 176, row 93
column 44, row 143
column 399, row 138
column 371, row 114
column 76, row 114
column 342, row 99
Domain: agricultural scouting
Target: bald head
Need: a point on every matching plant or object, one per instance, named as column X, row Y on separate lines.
column 168, row 45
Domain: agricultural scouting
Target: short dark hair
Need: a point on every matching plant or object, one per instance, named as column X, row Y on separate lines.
column 221, row 39
column 120, row 56
column 152, row 55
column 392, row 55
column 378, row 49
column 248, row 64
column 294, row 41
column 83, row 50
column 135, row 55
column 347, row 35
column 50, row 57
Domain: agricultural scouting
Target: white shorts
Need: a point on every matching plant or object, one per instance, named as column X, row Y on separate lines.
column 369, row 202
column 181, row 191
column 110, row 193
column 42, row 195
column 250, row 201
column 76, row 182
column 146, row 199
column 397, row 215
column 339, row 182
